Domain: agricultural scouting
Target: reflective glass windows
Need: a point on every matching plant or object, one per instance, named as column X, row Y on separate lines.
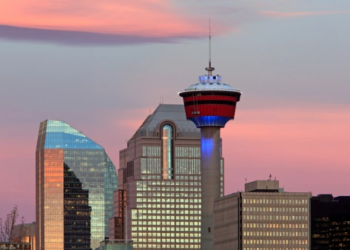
column 167, row 139
column 91, row 199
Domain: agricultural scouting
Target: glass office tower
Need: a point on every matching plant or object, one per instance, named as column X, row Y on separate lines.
column 75, row 181
column 158, row 202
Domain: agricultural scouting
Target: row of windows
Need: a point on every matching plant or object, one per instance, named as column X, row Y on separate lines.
column 156, row 185
column 274, row 217
column 138, row 212
column 143, row 184
column 162, row 240
column 276, row 209
column 155, row 151
column 275, row 201
column 276, row 242
column 273, row 225
column 187, row 166
column 147, row 176
column 179, row 235
column 151, row 177
column 153, row 217
column 165, row 223
column 151, row 166
column 170, row 206
column 274, row 234
column 167, row 246
column 164, row 201
column 182, row 192
column 172, row 189
column 220, row 102
column 167, row 229
column 188, row 152
column 168, row 194
column 152, row 151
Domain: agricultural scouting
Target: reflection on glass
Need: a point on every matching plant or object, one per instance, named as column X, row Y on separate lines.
column 167, row 152
column 76, row 177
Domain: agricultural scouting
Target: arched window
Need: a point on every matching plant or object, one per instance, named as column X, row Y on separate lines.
column 167, row 154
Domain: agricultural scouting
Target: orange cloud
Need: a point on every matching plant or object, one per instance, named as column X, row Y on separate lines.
column 303, row 13
column 147, row 18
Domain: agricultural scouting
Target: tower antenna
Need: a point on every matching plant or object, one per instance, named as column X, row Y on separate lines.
column 210, row 69
column 209, row 44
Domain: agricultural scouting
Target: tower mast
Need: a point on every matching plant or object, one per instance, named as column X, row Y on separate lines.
column 210, row 104
column 210, row 69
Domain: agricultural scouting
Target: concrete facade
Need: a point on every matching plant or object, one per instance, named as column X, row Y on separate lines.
column 210, row 169
column 262, row 221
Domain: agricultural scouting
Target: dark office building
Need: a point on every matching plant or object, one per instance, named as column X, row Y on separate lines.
column 330, row 222
column 77, row 213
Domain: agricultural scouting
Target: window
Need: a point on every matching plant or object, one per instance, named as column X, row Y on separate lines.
column 167, row 140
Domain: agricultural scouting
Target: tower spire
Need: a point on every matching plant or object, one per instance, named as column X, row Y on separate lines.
column 210, row 69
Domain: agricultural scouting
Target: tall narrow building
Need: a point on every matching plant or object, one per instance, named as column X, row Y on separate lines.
column 158, row 202
column 75, row 181
column 210, row 104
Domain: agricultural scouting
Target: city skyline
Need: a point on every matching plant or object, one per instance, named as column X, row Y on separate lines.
column 290, row 61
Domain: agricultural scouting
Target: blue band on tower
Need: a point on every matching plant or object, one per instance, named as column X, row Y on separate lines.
column 210, row 121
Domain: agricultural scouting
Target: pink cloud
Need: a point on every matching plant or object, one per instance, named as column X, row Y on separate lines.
column 147, row 18
column 302, row 13
column 306, row 148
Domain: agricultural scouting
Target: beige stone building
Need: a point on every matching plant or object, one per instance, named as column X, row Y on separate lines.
column 158, row 202
column 262, row 218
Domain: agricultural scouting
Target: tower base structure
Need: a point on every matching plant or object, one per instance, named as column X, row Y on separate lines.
column 210, row 178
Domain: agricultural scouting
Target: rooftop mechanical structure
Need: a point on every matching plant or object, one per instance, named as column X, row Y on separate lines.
column 210, row 104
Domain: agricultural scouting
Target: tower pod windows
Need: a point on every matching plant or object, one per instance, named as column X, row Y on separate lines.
column 167, row 152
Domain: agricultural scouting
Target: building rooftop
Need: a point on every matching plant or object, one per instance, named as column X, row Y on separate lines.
column 262, row 186
column 168, row 112
column 210, row 83
column 60, row 135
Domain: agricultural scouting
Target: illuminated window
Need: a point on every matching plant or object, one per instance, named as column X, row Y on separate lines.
column 167, row 138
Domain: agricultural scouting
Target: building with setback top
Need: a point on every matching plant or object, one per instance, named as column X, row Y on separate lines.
column 262, row 218
column 158, row 201
column 75, row 181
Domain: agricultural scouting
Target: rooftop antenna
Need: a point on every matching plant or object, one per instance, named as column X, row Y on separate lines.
column 270, row 177
column 210, row 69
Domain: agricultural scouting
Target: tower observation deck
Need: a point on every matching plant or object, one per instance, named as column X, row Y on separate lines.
column 210, row 104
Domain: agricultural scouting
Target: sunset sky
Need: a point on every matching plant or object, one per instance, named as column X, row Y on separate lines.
column 103, row 66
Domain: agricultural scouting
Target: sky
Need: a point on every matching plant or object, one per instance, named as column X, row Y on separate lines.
column 103, row 66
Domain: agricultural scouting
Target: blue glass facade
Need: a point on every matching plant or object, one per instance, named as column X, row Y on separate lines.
column 60, row 146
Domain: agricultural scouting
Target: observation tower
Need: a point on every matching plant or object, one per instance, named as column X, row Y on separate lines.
column 210, row 104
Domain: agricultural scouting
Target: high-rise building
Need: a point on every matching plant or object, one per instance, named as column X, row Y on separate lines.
column 210, row 104
column 75, row 181
column 262, row 218
column 158, row 201
column 330, row 222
